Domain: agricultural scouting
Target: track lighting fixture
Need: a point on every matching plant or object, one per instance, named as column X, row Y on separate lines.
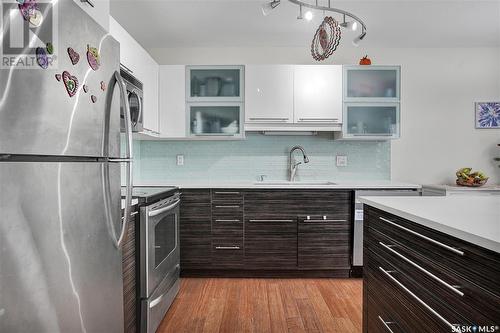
column 352, row 23
column 267, row 7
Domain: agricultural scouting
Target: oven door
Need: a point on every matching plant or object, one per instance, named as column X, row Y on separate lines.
column 160, row 252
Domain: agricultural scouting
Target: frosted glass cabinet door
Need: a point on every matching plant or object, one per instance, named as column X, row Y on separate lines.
column 371, row 83
column 318, row 94
column 375, row 121
column 221, row 119
column 215, row 83
column 269, row 93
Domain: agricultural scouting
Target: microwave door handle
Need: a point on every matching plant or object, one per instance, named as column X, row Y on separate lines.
column 163, row 209
column 140, row 107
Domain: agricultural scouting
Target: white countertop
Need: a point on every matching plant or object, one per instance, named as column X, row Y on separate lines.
column 297, row 185
column 456, row 188
column 475, row 219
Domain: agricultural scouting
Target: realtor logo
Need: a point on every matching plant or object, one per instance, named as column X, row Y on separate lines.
column 28, row 30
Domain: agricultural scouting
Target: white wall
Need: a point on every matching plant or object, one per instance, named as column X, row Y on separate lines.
column 439, row 87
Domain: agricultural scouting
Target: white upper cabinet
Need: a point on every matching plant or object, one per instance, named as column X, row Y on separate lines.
column 173, row 101
column 269, row 94
column 372, row 83
column 318, row 94
column 98, row 10
column 144, row 68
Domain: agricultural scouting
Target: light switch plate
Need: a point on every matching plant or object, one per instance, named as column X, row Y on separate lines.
column 341, row 160
column 180, row 160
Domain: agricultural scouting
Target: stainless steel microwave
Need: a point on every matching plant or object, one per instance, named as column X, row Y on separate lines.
column 135, row 100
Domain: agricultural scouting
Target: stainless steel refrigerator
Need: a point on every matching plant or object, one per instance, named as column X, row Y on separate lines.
column 60, row 204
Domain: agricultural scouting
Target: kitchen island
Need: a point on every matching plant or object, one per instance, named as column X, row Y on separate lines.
column 432, row 264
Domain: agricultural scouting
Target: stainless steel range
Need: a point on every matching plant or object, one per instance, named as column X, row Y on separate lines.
column 159, row 258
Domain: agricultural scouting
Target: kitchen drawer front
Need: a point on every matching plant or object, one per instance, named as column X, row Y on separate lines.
column 225, row 196
column 227, row 211
column 452, row 291
column 323, row 243
column 480, row 266
column 271, row 244
column 226, row 232
column 416, row 310
column 381, row 316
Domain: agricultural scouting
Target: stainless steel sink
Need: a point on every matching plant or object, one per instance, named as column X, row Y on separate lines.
column 295, row 183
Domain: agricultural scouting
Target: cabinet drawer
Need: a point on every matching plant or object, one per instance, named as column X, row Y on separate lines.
column 479, row 266
column 455, row 292
column 227, row 233
column 225, row 196
column 227, row 210
column 323, row 242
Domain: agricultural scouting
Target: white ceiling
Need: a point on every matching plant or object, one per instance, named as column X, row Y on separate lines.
column 233, row 23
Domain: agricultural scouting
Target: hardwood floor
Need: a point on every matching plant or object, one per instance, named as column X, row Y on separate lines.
column 265, row 305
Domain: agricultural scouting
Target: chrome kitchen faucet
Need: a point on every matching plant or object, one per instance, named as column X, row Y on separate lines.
column 293, row 164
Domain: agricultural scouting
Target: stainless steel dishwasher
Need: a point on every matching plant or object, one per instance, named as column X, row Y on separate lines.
column 357, row 248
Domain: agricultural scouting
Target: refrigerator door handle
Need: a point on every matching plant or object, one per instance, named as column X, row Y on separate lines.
column 128, row 155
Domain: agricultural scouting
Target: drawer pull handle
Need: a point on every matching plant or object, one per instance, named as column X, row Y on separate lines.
column 131, row 215
column 325, row 220
column 447, row 285
column 227, row 220
column 227, row 206
column 425, row 305
column 447, row 247
column 227, row 247
column 227, row 192
column 271, row 220
column 386, row 324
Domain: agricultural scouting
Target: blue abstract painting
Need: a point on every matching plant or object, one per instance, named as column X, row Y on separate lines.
column 488, row 115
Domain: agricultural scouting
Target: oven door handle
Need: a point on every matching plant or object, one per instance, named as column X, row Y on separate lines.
column 164, row 209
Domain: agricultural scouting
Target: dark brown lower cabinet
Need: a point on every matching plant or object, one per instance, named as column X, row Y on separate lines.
column 196, row 229
column 421, row 280
column 261, row 231
column 323, row 242
column 130, row 277
column 271, row 243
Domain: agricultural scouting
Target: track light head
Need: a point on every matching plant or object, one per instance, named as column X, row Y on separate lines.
column 268, row 6
column 358, row 39
column 351, row 25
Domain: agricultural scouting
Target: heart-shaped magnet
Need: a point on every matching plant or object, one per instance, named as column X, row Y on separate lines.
column 73, row 56
column 86, row 88
column 103, row 86
column 93, row 99
column 93, row 57
column 70, row 82
column 36, row 19
column 41, row 57
column 58, row 77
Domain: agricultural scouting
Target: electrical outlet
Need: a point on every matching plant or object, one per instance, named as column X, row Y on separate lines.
column 180, row 159
column 341, row 160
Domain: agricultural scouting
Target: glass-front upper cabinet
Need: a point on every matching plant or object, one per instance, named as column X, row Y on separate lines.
column 215, row 83
column 215, row 120
column 372, row 83
column 374, row 121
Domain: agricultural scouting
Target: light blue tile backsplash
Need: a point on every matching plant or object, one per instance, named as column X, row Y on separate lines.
column 258, row 154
